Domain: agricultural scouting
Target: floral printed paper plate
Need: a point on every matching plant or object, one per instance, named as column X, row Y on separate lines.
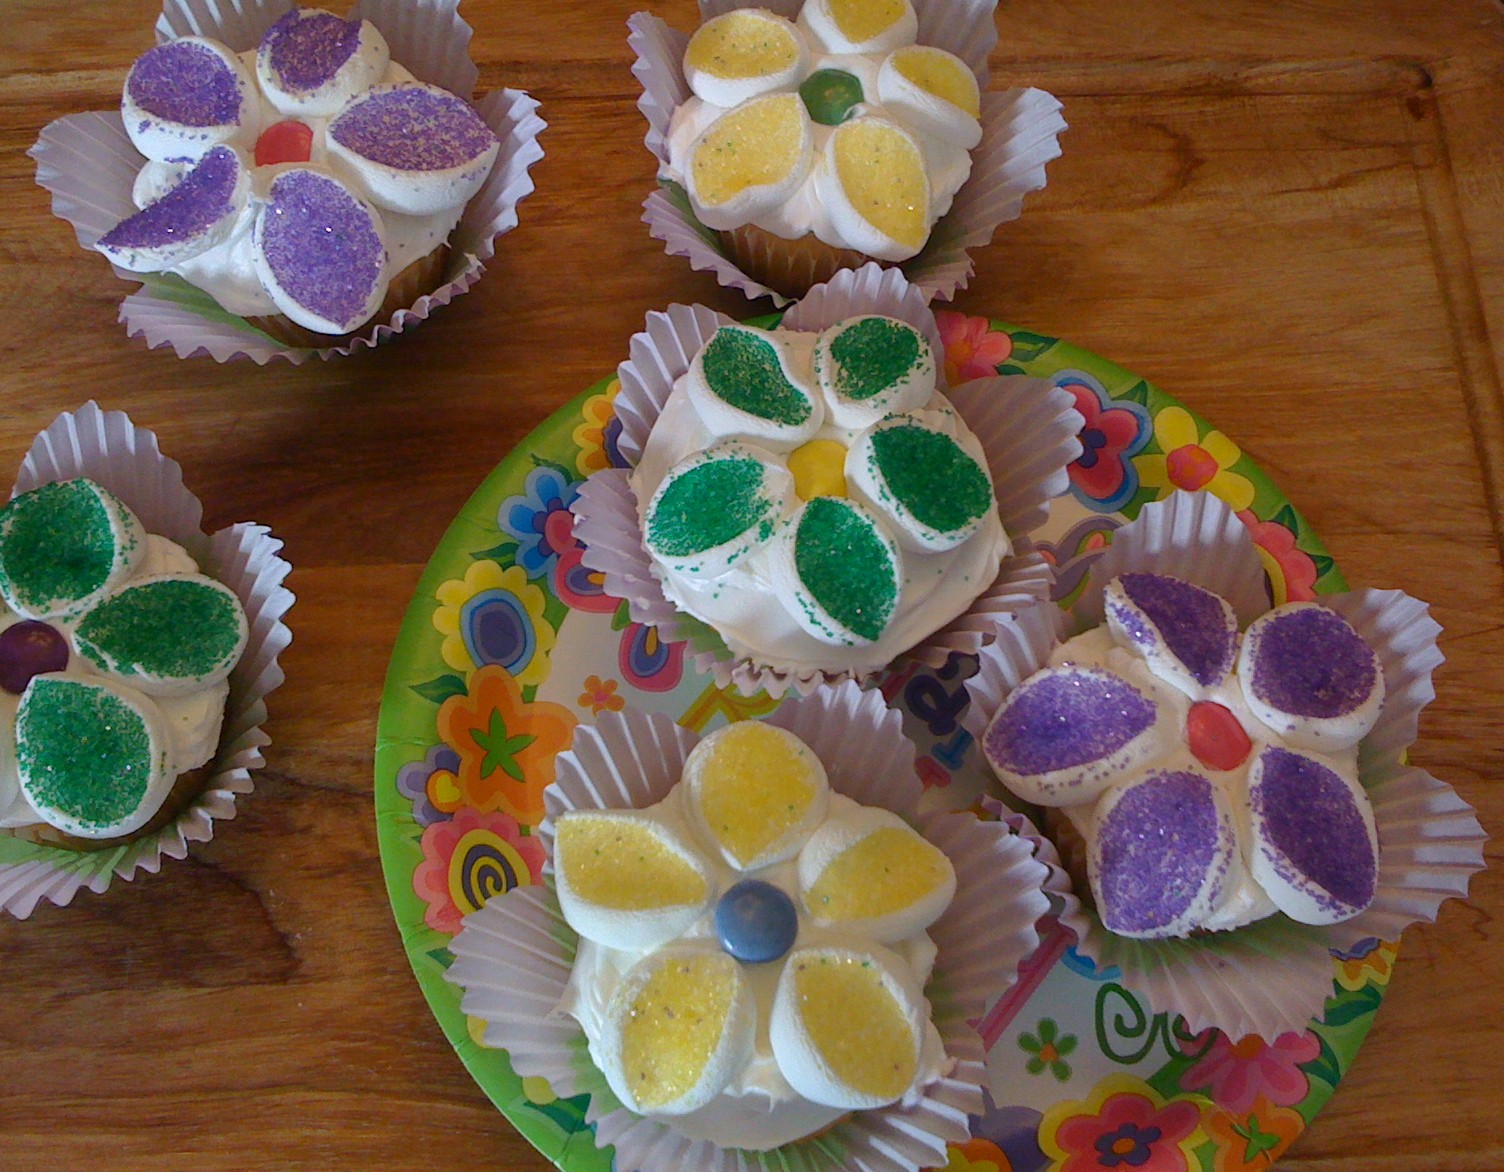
column 511, row 642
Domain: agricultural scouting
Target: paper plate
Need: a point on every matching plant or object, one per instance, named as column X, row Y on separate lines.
column 510, row 641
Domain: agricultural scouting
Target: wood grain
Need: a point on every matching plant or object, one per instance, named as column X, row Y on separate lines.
column 1287, row 213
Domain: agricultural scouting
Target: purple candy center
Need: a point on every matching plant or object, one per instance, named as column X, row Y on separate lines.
column 306, row 51
column 28, row 649
column 321, row 246
column 413, row 129
column 1189, row 619
column 1157, row 847
column 1310, row 818
column 1066, row 718
column 203, row 198
column 1310, row 662
column 186, row 83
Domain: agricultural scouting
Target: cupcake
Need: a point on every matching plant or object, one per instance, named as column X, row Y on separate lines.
column 134, row 657
column 722, row 913
column 307, row 183
column 1226, row 780
column 811, row 502
column 810, row 137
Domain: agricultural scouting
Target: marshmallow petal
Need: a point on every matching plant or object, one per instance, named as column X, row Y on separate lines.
column 743, row 53
column 871, row 366
column 859, row 26
column 935, row 92
column 185, row 97
column 1186, row 634
column 196, row 214
column 64, row 546
column 311, row 62
column 873, row 180
column 838, row 572
column 750, row 161
column 715, row 507
column 745, row 384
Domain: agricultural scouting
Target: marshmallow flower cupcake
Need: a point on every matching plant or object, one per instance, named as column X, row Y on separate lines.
column 1236, row 799
column 809, row 502
column 309, row 183
column 761, row 921
column 136, row 654
column 816, row 136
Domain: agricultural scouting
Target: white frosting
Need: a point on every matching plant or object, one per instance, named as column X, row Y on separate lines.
column 227, row 269
column 752, row 604
column 810, row 199
column 189, row 724
column 758, row 1107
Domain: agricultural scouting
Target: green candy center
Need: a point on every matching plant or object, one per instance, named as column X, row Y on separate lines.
column 744, row 371
column 931, row 476
column 84, row 751
column 58, row 544
column 871, row 356
column 846, row 567
column 830, row 95
column 709, row 505
column 173, row 628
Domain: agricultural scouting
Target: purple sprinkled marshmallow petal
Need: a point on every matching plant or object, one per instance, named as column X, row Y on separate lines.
column 305, row 50
column 1308, row 661
column 322, row 247
column 413, row 128
column 1063, row 718
column 182, row 223
column 186, row 83
column 1194, row 625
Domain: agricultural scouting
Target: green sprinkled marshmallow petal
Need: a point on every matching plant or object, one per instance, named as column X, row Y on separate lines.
column 166, row 635
column 715, row 507
column 744, row 385
column 844, row 572
column 64, row 545
column 91, row 755
column 912, row 470
column 868, row 367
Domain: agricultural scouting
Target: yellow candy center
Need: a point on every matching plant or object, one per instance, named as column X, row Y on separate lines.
column 674, row 1026
column 741, row 44
column 882, row 172
column 755, row 788
column 889, row 870
column 616, row 863
column 861, row 20
column 937, row 72
column 881, row 1057
column 755, row 145
column 819, row 469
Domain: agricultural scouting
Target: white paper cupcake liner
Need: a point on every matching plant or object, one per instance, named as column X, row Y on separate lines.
column 514, row 955
column 1272, row 976
column 89, row 165
column 1027, row 428
column 1021, row 130
column 106, row 447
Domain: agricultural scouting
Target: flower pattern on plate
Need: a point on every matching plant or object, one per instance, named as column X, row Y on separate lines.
column 471, row 858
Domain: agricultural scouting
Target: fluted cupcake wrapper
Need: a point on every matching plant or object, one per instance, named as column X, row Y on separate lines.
column 514, row 955
column 1272, row 976
column 1020, row 134
column 1028, row 430
column 106, row 447
column 89, row 165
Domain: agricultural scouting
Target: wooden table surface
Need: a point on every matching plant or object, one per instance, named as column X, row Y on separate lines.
column 1287, row 213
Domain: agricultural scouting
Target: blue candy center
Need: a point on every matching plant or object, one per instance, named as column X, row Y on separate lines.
column 756, row 922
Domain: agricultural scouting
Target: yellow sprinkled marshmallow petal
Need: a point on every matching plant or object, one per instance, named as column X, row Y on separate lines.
column 859, row 26
column 934, row 91
column 750, row 161
column 873, row 179
column 741, row 54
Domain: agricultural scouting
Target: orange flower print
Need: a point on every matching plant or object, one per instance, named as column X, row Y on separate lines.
column 1252, row 1142
column 977, row 1155
column 1291, row 571
column 600, row 696
column 597, row 434
column 1372, row 960
column 972, row 348
column 1192, row 461
column 506, row 745
column 1125, row 1124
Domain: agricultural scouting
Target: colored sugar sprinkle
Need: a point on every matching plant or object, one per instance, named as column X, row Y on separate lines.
column 201, row 199
column 84, row 751
column 844, row 564
column 1156, row 847
column 744, row 370
column 708, row 505
column 186, row 83
column 1310, row 662
column 931, row 476
column 58, row 544
column 321, row 246
column 307, row 50
column 413, row 129
column 173, row 628
column 1064, row 718
column 1189, row 619
column 872, row 355
column 831, row 95
column 1310, row 817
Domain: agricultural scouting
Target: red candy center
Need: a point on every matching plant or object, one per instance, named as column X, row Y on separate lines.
column 1216, row 738
column 284, row 142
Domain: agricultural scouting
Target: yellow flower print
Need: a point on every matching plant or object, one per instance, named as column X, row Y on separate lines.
column 494, row 615
column 1191, row 461
column 590, row 436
